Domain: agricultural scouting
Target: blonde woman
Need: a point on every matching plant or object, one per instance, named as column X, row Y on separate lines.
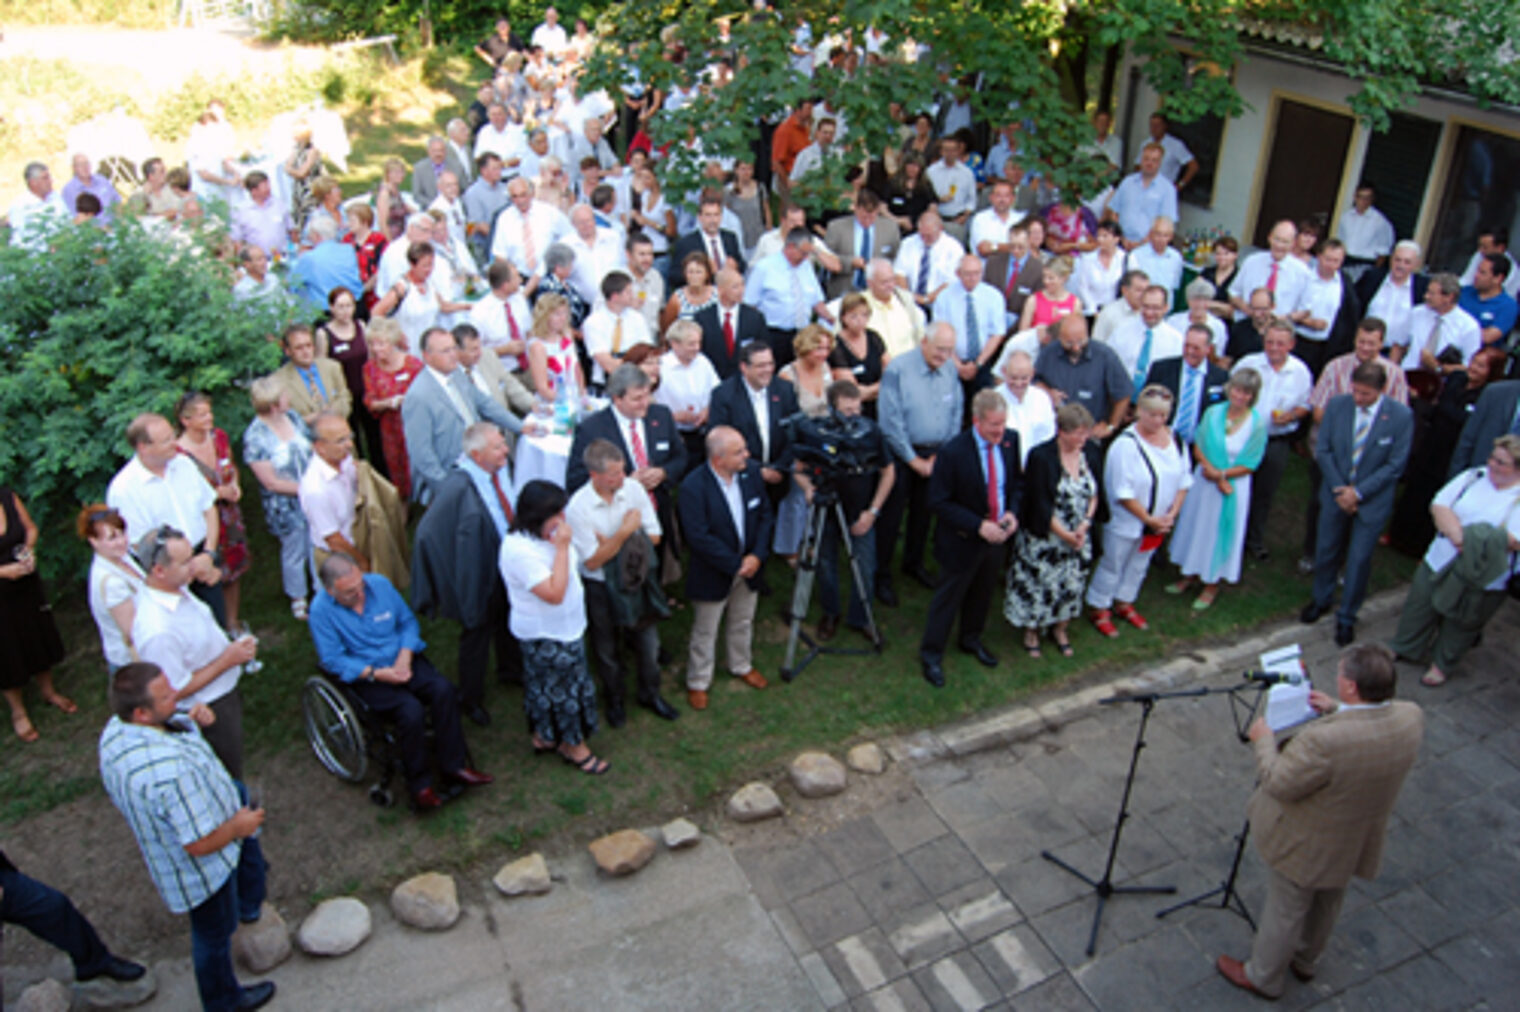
column 552, row 357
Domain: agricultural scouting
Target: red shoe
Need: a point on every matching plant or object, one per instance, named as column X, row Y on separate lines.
column 1234, row 971
column 426, row 800
column 471, row 778
column 1133, row 617
column 1104, row 621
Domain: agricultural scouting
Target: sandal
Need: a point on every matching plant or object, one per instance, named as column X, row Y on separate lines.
column 1133, row 617
column 590, row 765
column 22, row 724
column 1205, row 600
column 1434, row 678
column 1064, row 645
column 539, row 748
column 1181, row 586
column 1104, row 622
column 1032, row 648
column 61, row 701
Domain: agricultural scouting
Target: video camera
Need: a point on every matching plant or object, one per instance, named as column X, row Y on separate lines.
column 834, row 445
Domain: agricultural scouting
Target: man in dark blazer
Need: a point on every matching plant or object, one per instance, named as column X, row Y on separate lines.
column 454, row 564
column 1205, row 380
column 1320, row 813
column 709, row 231
column 1356, row 493
column 653, row 453
column 1496, row 413
column 844, row 238
column 728, row 523
column 977, row 516
column 729, row 324
column 1403, row 280
column 434, row 420
column 736, row 402
column 1027, row 271
column 426, row 172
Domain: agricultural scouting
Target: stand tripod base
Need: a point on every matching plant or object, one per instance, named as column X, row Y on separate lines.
column 1104, row 888
column 1229, row 899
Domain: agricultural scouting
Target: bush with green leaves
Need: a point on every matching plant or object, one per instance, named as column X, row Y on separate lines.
column 103, row 325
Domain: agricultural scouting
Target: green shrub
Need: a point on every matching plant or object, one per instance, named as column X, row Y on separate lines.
column 103, row 326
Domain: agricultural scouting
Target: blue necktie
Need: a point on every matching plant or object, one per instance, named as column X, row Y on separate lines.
column 923, row 272
column 314, row 382
column 973, row 329
column 865, row 257
column 1187, row 410
column 1143, row 363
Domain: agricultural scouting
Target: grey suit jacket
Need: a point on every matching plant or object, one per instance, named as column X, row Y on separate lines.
column 1383, row 456
column 840, row 239
column 425, row 182
column 1030, row 280
column 1491, row 418
column 435, row 430
column 1321, row 805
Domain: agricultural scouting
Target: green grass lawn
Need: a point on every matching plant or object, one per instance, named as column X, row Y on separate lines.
column 659, row 768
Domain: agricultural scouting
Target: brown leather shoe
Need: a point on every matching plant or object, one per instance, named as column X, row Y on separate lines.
column 697, row 698
column 754, row 679
column 1234, row 971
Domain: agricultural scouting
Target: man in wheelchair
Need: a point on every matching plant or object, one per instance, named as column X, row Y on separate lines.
column 368, row 637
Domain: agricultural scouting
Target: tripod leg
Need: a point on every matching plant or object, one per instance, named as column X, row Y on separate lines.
column 1229, row 899
column 802, row 592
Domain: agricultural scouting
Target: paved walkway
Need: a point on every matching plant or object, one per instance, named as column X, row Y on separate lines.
column 925, row 888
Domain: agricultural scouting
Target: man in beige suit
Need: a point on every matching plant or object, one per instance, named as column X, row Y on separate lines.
column 488, row 373
column 315, row 385
column 1320, row 811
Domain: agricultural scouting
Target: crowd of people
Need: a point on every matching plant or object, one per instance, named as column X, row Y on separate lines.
column 1049, row 400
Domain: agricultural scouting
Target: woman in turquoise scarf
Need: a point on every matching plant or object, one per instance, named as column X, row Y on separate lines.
column 1212, row 528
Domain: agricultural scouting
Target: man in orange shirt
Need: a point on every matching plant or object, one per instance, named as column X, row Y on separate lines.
column 794, row 134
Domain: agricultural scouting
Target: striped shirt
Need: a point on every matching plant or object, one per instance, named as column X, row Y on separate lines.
column 173, row 791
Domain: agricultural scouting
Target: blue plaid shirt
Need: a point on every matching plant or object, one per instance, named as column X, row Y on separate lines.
column 173, row 790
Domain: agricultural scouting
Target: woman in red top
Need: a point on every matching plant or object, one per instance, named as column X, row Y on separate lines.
column 387, row 374
column 207, row 446
column 368, row 245
column 1054, row 301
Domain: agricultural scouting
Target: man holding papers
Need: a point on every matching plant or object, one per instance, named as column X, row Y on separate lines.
column 1320, row 811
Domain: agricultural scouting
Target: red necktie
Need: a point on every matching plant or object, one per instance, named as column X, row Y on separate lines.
column 1015, row 268
column 728, row 330
column 640, row 458
column 1272, row 279
column 501, row 497
column 717, row 253
column 992, row 489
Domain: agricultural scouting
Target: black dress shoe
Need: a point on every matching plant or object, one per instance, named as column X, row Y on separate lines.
column 255, row 996
column 1345, row 632
column 425, row 800
column 478, row 715
column 471, row 777
column 980, row 652
column 616, row 715
column 886, row 595
column 117, row 969
column 660, row 708
column 827, row 627
column 1312, row 613
column 922, row 576
column 934, row 674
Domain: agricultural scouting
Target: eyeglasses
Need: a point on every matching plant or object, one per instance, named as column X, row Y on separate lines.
column 161, row 538
column 100, row 517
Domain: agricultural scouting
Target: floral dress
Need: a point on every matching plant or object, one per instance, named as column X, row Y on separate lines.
column 282, row 513
column 378, row 386
column 234, row 535
column 1047, row 575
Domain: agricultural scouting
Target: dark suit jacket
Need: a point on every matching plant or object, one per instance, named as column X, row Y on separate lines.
column 1342, row 334
column 425, row 183
column 1042, row 474
column 730, row 406
column 1244, row 340
column 749, row 325
column 454, row 551
column 840, row 239
column 1383, row 455
column 1031, row 279
column 1168, row 373
column 717, row 550
column 1491, row 418
column 696, row 242
column 664, row 448
column 958, row 495
column 1368, row 284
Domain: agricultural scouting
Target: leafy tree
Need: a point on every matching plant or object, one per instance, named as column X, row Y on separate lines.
column 100, row 327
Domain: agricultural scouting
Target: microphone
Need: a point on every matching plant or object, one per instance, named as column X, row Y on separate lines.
column 1272, row 678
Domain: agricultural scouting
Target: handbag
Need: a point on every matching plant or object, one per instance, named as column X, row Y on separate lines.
column 1512, row 585
column 1150, row 541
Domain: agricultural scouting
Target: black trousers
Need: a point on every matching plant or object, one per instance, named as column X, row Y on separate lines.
column 781, row 344
column 475, row 650
column 965, row 588
column 52, row 917
column 409, row 705
column 606, row 641
column 1311, row 514
column 910, row 494
column 1313, row 354
column 225, row 736
column 1263, row 487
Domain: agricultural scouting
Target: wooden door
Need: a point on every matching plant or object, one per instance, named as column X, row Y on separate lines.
column 1305, row 168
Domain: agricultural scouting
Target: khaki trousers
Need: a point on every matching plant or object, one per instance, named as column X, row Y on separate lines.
column 740, row 607
column 1295, row 926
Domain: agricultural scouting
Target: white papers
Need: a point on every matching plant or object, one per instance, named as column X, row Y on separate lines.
column 1285, row 661
column 1288, row 706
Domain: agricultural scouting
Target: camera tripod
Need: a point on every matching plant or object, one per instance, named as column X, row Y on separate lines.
column 825, row 507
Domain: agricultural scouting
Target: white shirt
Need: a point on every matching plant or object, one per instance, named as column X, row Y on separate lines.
column 589, row 515
column 733, row 498
column 546, row 224
column 1033, row 418
column 649, row 298
column 178, row 633
column 1174, row 155
column 489, row 316
column 761, row 407
column 954, row 185
column 392, row 264
column 111, row 585
column 510, row 142
column 1281, row 390
column 28, row 210
column 1114, row 315
column 145, row 501
column 987, row 226
column 1367, row 236
column 327, row 496
column 1218, row 335
column 598, row 330
column 1164, row 268
column 1129, row 338
column 593, row 261
column 808, row 159
column 1292, row 278
column 1095, row 284
column 1458, row 329
column 686, row 387
column 1323, row 300
column 1125, row 476
column 1392, row 303
column 632, row 430
column 1475, row 501
column 526, row 562
column 551, row 37
column 944, row 256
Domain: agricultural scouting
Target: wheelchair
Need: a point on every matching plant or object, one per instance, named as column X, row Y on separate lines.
column 347, row 737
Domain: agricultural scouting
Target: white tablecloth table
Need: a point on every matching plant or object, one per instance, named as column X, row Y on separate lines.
column 543, row 458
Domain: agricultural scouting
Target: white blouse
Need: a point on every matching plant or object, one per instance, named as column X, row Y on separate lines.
column 1126, row 476
column 1474, row 498
column 526, row 562
column 110, row 585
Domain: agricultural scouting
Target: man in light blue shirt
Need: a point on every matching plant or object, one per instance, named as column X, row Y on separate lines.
column 329, row 264
column 784, row 288
column 1161, row 263
column 976, row 311
column 1143, row 197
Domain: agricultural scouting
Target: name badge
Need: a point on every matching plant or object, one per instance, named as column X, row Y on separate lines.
column 662, row 446
column 1024, row 289
column 1215, row 390
column 1085, row 395
column 383, row 616
column 1385, row 441
column 754, row 503
column 859, row 370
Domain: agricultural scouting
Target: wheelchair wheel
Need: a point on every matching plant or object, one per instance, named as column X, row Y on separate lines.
column 334, row 730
